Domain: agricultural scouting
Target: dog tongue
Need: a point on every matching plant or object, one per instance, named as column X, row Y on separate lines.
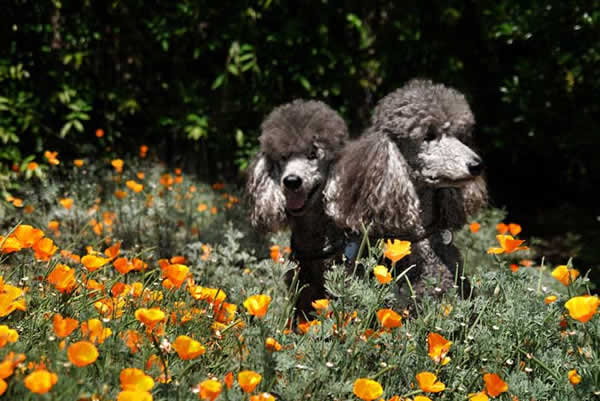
column 295, row 201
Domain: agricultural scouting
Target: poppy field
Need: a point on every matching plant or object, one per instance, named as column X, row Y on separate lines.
column 123, row 279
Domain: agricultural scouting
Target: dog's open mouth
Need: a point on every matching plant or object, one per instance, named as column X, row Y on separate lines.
column 296, row 202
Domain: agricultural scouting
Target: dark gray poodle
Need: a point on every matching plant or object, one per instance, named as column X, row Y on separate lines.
column 414, row 176
column 299, row 143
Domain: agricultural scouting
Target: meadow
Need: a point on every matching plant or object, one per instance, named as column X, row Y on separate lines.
column 128, row 280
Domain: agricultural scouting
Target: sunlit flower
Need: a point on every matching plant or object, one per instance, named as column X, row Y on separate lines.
column 11, row 299
column 228, row 379
column 320, row 304
column 150, row 317
column 132, row 340
column 274, row 253
column 389, row 319
column 166, row 180
column 10, row 244
column 396, row 250
column 438, row 347
column 53, row 225
column 272, row 345
column 382, row 274
column 474, row 227
column 134, row 186
column 67, row 203
column 494, row 385
column 82, row 353
column 188, row 348
column 304, row 326
column 209, row 389
column 480, row 396
column 93, row 262
column 10, row 362
column 429, row 383
column 62, row 278
column 118, row 165
column 582, row 308
column 248, row 380
column 51, row 157
column 564, row 274
column 257, row 305
column 78, row 162
column 507, row 245
column 143, row 151
column 367, row 389
column 574, row 378
column 63, row 327
column 176, row 274
column 41, row 381
column 137, row 395
column 133, row 379
column 44, row 249
column 27, row 235
column 7, row 335
column 550, row 299
column 95, row 331
column 120, row 194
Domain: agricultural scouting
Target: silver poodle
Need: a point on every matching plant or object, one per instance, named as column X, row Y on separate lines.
column 299, row 143
column 414, row 176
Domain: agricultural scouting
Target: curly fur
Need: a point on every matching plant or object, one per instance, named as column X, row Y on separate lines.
column 299, row 142
column 411, row 175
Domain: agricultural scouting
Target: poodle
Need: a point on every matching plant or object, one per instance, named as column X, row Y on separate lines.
column 299, row 143
column 413, row 175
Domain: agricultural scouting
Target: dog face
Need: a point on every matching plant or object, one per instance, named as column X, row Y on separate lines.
column 301, row 179
column 432, row 126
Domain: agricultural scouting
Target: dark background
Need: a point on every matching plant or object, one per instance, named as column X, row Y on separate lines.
column 193, row 80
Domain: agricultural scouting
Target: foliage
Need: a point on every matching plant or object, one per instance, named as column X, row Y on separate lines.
column 184, row 315
column 194, row 79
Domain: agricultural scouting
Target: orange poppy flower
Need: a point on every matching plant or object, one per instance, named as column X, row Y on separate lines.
column 494, row 385
column 95, row 331
column 127, row 395
column 389, row 319
column 187, row 348
column 78, row 162
column 32, row 166
column 564, row 274
column 132, row 340
column 118, row 165
column 11, row 361
column 10, row 244
column 574, row 378
column 502, row 228
column 248, row 380
column 367, row 389
column 550, row 299
column 67, row 203
column 7, row 335
column 93, row 262
column 507, row 245
column 3, row 386
column 150, row 317
column 382, row 274
column 228, row 379
column 63, row 327
column 62, row 278
column 438, row 347
column 274, row 253
column 99, row 133
column 11, row 299
column 272, row 345
column 480, row 396
column 133, row 379
column 123, row 266
column 166, row 180
column 113, row 251
column 51, row 157
column 320, row 304
column 209, row 389
column 257, row 305
column 27, row 235
column 396, row 250
column 143, row 151
column 82, row 353
column 120, row 194
column 262, row 397
column 134, row 186
column 429, row 383
column 53, row 225
column 582, row 308
column 474, row 227
column 41, row 381
column 176, row 274
column 44, row 249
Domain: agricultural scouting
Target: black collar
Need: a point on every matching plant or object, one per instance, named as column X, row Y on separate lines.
column 335, row 248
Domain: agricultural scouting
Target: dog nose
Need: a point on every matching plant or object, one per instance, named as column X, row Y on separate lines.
column 475, row 167
column 292, row 182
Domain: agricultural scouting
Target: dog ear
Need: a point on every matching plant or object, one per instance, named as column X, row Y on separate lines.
column 371, row 185
column 264, row 193
column 458, row 204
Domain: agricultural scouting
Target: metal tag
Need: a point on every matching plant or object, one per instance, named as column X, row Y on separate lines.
column 446, row 237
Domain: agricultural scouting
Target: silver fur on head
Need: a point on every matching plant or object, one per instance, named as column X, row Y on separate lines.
column 412, row 170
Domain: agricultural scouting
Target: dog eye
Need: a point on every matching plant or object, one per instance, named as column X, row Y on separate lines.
column 431, row 134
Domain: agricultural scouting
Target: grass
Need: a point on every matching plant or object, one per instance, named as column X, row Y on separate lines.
column 203, row 261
